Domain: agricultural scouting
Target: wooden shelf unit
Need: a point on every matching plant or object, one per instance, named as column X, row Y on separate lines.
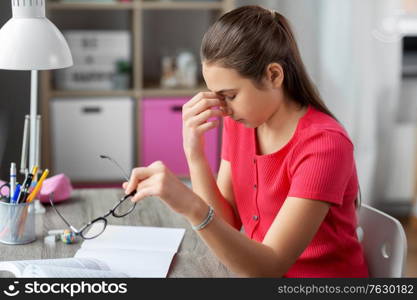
column 138, row 90
column 139, row 5
column 89, row 5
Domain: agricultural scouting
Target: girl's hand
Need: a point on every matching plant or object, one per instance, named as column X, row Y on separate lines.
column 157, row 180
column 195, row 115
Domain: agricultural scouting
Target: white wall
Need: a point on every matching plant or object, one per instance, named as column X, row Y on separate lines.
column 302, row 15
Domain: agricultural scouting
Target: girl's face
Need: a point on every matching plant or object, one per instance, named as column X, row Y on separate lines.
column 245, row 102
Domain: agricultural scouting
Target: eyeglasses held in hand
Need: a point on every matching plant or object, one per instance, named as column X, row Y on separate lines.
column 97, row 226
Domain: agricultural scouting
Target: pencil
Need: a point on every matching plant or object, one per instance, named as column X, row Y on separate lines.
column 34, row 170
column 38, row 186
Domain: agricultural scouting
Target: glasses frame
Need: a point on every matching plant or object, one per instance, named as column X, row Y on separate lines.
column 81, row 232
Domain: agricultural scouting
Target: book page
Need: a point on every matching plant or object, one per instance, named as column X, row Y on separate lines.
column 17, row 267
column 50, row 271
column 135, row 263
column 137, row 238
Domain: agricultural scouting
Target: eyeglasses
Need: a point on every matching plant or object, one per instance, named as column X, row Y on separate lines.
column 97, row 226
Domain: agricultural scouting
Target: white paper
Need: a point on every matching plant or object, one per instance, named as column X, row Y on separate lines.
column 121, row 251
column 48, row 271
column 135, row 250
column 18, row 267
column 137, row 238
column 135, row 263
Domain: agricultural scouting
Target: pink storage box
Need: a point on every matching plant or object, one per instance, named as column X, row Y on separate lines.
column 161, row 136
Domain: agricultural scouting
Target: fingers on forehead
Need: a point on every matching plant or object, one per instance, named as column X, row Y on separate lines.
column 209, row 94
column 201, row 96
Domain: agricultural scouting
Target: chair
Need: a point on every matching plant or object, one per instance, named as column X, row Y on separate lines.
column 384, row 242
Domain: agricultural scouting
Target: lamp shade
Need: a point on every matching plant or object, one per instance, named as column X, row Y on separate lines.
column 29, row 41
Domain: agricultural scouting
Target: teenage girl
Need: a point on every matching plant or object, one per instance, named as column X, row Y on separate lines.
column 287, row 174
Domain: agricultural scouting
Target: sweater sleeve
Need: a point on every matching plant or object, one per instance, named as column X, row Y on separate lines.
column 321, row 167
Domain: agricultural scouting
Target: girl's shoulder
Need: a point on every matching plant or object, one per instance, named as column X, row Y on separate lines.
column 316, row 126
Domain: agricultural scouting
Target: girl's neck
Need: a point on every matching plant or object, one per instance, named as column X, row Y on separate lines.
column 284, row 119
column 280, row 127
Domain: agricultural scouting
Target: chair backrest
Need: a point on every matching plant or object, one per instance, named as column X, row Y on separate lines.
column 384, row 242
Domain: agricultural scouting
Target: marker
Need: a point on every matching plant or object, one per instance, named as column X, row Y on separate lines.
column 16, row 194
column 34, row 176
column 24, row 190
column 34, row 170
column 12, row 178
column 38, row 186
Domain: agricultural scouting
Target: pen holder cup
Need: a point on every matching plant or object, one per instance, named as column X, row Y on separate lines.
column 17, row 223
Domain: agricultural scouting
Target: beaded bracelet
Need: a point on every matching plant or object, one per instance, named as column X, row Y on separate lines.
column 206, row 221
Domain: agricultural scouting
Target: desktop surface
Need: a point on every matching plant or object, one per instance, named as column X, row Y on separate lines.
column 193, row 258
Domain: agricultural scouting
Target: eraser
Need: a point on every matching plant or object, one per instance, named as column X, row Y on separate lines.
column 55, row 231
column 60, row 185
column 50, row 240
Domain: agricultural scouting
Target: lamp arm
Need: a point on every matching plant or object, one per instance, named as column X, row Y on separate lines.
column 33, row 114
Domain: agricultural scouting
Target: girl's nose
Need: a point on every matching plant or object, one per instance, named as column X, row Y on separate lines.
column 226, row 110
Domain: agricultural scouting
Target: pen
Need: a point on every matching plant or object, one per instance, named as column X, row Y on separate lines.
column 38, row 186
column 16, row 194
column 12, row 178
column 24, row 189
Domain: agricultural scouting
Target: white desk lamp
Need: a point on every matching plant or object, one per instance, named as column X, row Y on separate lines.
column 29, row 41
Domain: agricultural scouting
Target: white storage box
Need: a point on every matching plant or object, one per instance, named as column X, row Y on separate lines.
column 83, row 129
column 100, row 42
column 94, row 77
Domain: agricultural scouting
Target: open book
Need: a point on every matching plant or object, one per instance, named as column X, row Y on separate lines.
column 121, row 251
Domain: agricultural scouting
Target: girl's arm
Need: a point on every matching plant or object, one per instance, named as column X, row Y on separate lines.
column 290, row 233
column 219, row 195
column 292, row 230
column 197, row 115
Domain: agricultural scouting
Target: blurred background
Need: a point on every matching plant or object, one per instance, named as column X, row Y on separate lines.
column 137, row 62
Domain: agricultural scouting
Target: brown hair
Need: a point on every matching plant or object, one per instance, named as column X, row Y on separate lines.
column 249, row 38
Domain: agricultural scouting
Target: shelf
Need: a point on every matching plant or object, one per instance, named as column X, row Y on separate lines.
column 142, row 84
column 166, row 5
column 203, row 5
column 160, row 92
column 90, row 6
column 119, row 93
column 147, row 92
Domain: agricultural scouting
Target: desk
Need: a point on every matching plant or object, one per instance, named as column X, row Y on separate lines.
column 193, row 259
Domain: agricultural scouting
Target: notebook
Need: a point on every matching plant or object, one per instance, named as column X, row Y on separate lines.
column 120, row 251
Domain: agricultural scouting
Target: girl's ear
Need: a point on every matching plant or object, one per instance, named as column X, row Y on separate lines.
column 275, row 75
